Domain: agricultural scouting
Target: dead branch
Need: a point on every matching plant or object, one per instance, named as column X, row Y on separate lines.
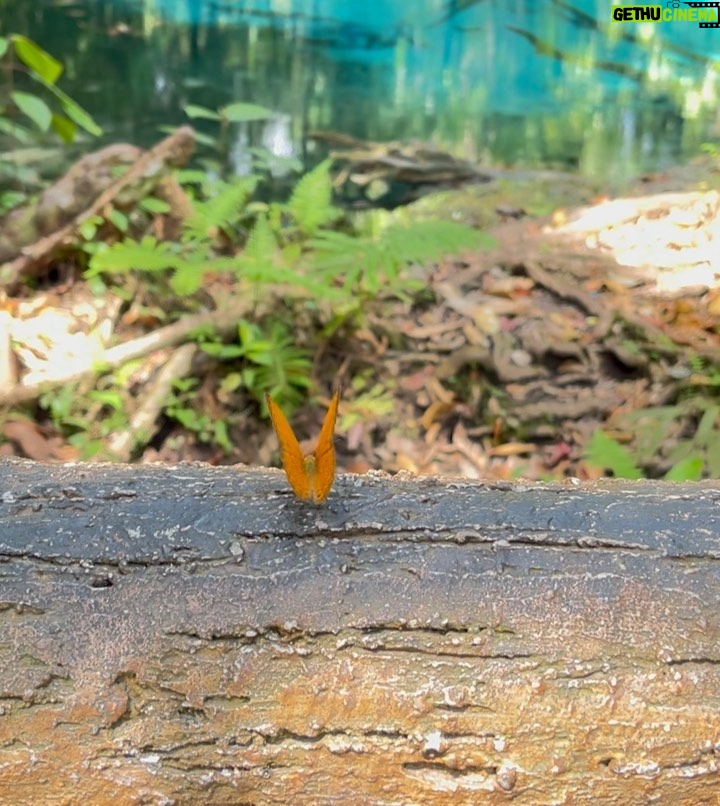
column 154, row 398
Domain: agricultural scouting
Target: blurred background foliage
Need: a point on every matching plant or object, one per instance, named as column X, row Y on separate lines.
column 531, row 82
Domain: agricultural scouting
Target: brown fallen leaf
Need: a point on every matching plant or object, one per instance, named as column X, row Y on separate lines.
column 33, row 443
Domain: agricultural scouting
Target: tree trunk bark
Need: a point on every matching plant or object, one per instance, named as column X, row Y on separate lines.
column 183, row 635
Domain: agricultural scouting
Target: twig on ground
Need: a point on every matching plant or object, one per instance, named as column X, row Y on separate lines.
column 140, row 429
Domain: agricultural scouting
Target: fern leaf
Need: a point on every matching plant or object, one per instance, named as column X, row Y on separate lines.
column 372, row 263
column 258, row 259
column 311, row 202
column 261, row 243
column 219, row 212
column 189, row 273
column 131, row 255
column 424, row 241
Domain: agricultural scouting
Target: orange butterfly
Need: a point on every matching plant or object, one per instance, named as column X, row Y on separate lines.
column 311, row 476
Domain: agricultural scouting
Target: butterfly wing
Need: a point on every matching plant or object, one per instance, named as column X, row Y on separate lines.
column 292, row 457
column 324, row 474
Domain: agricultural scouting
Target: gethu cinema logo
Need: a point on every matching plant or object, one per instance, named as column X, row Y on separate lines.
column 706, row 14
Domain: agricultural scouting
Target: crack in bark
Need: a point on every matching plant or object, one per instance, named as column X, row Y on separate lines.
column 349, row 636
column 454, row 772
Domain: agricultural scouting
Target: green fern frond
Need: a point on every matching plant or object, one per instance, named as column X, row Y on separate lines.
column 188, row 267
column 371, row 264
column 262, row 262
column 424, row 241
column 337, row 256
column 259, row 261
column 220, row 212
column 188, row 275
column 261, row 243
column 310, row 204
column 131, row 255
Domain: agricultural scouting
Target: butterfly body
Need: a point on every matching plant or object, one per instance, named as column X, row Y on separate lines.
column 310, row 475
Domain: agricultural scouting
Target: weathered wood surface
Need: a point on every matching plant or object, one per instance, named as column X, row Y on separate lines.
column 193, row 635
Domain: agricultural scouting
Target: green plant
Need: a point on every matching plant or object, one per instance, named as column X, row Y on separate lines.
column 365, row 266
column 659, row 438
column 698, row 454
column 289, row 243
column 271, row 362
column 704, row 374
column 190, row 259
column 304, row 246
column 219, row 144
column 86, row 420
column 25, row 66
column 607, row 453
column 180, row 407
column 44, row 70
column 370, row 402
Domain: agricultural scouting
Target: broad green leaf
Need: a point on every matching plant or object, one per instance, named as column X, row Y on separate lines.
column 713, row 455
column 706, row 425
column 240, row 112
column 88, row 228
column 191, row 176
column 222, row 438
column 154, row 205
column 195, row 111
column 650, row 428
column 119, row 220
column 186, row 417
column 80, row 116
column 224, row 351
column 185, row 384
column 206, row 140
column 607, row 454
column 64, row 128
column 34, row 108
column 3, row 46
column 689, row 469
column 231, row 382
column 10, row 199
column 264, row 159
column 46, row 66
column 108, row 397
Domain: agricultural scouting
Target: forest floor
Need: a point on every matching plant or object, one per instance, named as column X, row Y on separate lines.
column 588, row 315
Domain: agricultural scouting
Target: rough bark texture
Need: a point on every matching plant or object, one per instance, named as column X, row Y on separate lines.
column 191, row 635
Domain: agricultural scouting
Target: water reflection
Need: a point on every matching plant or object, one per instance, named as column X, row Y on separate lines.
column 504, row 81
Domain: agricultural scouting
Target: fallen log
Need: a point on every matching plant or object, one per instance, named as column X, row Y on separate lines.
column 196, row 635
column 31, row 234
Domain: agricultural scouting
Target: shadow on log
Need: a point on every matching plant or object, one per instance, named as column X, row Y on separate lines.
column 187, row 635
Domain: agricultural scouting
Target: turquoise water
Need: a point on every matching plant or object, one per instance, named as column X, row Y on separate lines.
column 514, row 82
